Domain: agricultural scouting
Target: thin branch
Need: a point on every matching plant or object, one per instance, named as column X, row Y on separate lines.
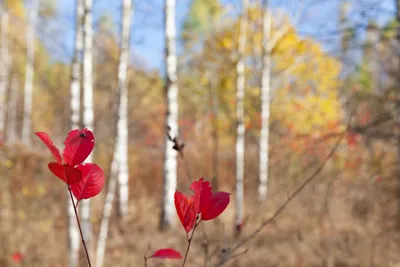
column 239, row 254
column 189, row 243
column 283, row 206
column 379, row 121
column 80, row 228
column 178, row 146
column 186, row 166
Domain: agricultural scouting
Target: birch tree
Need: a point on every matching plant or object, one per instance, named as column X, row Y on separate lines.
column 29, row 73
column 122, row 124
column 4, row 67
column 214, row 105
column 119, row 165
column 88, row 116
column 171, row 91
column 240, row 130
column 12, row 109
column 265, row 103
column 270, row 41
column 73, row 230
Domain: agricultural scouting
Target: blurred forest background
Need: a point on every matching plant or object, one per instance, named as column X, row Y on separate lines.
column 320, row 100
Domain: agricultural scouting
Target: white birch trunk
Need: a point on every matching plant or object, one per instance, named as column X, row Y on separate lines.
column 171, row 90
column 29, row 72
column 4, row 68
column 76, row 68
column 240, row 88
column 265, row 105
column 73, row 230
column 214, row 105
column 119, row 164
column 112, row 185
column 12, row 110
column 123, row 173
column 88, row 116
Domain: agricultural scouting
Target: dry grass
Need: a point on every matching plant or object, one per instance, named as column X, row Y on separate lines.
column 336, row 221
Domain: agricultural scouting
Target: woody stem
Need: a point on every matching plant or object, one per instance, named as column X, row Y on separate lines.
column 186, row 166
column 188, row 245
column 80, row 228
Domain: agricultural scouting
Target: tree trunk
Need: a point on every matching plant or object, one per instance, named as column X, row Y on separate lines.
column 123, row 173
column 119, row 163
column 240, row 131
column 171, row 91
column 397, row 113
column 214, row 106
column 87, row 102
column 265, row 104
column 29, row 72
column 4, row 68
column 76, row 68
column 12, row 110
column 73, row 230
column 112, row 185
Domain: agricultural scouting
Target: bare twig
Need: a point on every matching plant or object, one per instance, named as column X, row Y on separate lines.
column 80, row 229
column 178, row 146
column 283, row 206
column 188, row 245
column 239, row 254
column 186, row 165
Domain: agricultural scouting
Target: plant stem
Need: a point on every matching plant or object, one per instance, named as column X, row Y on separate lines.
column 188, row 246
column 186, row 166
column 80, row 229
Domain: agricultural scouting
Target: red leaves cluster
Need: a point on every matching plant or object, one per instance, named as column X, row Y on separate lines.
column 84, row 180
column 203, row 205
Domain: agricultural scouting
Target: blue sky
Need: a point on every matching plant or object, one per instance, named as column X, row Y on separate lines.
column 147, row 38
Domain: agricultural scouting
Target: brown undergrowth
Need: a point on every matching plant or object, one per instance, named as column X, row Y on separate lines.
column 345, row 218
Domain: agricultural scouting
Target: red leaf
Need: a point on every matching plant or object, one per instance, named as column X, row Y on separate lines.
column 166, row 253
column 65, row 172
column 58, row 170
column 73, row 175
column 47, row 141
column 186, row 211
column 202, row 193
column 91, row 184
column 352, row 139
column 1, row 139
column 17, row 257
column 78, row 146
column 215, row 206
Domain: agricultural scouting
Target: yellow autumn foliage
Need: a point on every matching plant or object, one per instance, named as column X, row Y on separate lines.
column 311, row 102
column 305, row 79
column 16, row 7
